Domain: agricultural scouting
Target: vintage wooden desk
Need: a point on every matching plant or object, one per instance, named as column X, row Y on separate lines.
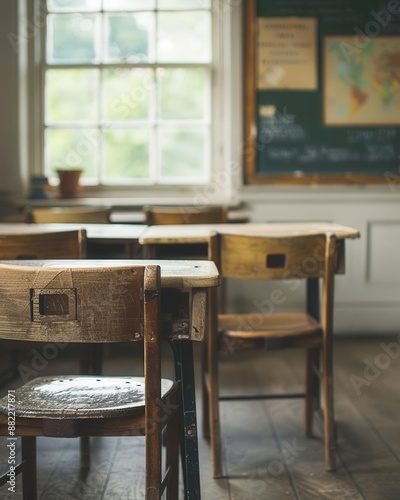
column 184, row 286
column 156, row 238
column 126, row 235
column 199, row 233
column 196, row 234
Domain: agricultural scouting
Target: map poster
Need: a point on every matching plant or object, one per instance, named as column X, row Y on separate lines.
column 361, row 81
column 287, row 53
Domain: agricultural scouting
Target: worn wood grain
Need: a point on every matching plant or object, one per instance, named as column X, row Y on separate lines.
column 90, row 304
column 366, row 468
column 92, row 215
column 23, row 245
column 156, row 215
column 295, row 258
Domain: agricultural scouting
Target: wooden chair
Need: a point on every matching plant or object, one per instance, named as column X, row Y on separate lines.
column 155, row 215
column 43, row 245
column 91, row 304
column 86, row 215
column 275, row 258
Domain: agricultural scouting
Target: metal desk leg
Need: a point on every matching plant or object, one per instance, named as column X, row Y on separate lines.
column 183, row 353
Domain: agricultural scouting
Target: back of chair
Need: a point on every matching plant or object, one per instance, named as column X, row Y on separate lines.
column 47, row 245
column 256, row 257
column 88, row 302
column 156, row 215
column 88, row 215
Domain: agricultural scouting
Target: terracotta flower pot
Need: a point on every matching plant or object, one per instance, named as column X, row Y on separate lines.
column 69, row 182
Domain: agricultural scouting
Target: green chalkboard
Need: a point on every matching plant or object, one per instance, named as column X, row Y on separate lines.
column 295, row 141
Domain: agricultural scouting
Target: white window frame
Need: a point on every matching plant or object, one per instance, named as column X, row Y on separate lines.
column 226, row 113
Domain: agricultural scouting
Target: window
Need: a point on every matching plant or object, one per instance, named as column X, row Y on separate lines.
column 126, row 90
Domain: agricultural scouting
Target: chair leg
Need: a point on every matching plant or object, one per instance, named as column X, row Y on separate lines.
column 205, row 409
column 172, row 457
column 85, row 452
column 215, row 431
column 29, row 482
column 90, row 363
column 212, row 387
column 328, row 412
column 311, row 390
column 153, row 462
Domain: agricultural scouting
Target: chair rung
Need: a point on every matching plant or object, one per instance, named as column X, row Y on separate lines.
column 263, row 396
column 167, row 476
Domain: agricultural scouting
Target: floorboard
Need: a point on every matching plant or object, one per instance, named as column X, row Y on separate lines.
column 266, row 455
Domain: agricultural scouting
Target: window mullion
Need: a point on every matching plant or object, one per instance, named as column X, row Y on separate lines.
column 96, row 111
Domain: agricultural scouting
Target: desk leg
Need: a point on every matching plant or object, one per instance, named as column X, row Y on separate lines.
column 183, row 352
column 313, row 358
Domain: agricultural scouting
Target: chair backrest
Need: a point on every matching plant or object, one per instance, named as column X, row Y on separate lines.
column 256, row 257
column 86, row 215
column 294, row 257
column 45, row 245
column 87, row 302
column 155, row 215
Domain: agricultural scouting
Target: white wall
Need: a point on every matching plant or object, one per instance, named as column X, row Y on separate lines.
column 367, row 296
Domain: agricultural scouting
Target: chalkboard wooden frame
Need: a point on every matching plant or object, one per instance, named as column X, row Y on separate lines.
column 251, row 144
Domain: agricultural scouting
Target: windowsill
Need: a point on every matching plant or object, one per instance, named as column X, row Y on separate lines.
column 125, row 199
column 127, row 204
column 136, row 196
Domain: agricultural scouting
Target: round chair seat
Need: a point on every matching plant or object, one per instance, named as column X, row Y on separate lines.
column 81, row 397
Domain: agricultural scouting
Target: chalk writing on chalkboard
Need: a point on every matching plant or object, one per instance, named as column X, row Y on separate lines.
column 313, row 133
column 311, row 154
column 281, row 127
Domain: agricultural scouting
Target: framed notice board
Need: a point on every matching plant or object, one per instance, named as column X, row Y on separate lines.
column 322, row 91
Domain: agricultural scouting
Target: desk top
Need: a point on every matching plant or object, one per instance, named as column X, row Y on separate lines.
column 199, row 233
column 174, row 273
column 185, row 233
column 115, row 232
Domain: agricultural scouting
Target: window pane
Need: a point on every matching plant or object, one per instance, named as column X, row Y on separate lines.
column 126, row 94
column 73, row 5
column 126, row 154
column 182, row 93
column 71, row 38
column 184, row 4
column 127, row 37
column 184, row 37
column 182, row 152
column 128, row 4
column 72, row 148
column 139, row 122
column 71, row 95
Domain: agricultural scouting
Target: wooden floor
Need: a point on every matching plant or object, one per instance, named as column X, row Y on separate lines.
column 266, row 455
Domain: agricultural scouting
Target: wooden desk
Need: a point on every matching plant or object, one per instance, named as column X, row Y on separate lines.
column 199, row 233
column 110, row 234
column 184, row 291
column 191, row 234
column 159, row 236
